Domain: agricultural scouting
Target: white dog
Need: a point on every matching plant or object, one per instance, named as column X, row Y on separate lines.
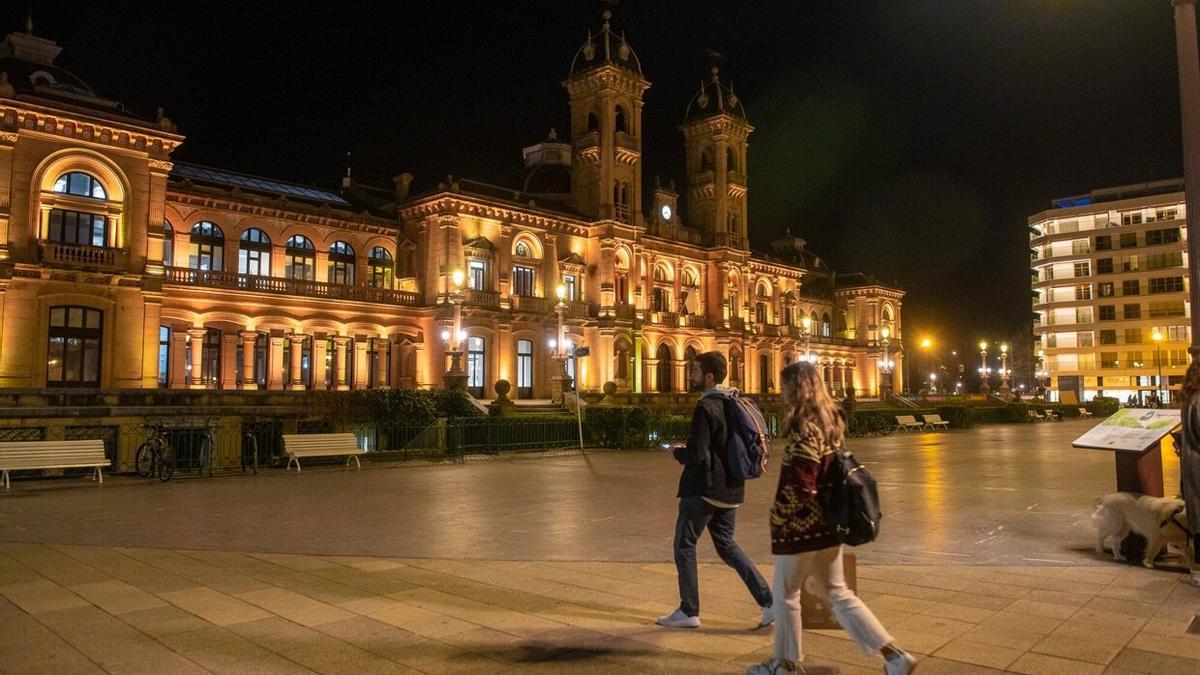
column 1160, row 520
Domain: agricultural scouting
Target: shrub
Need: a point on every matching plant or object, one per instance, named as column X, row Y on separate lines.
column 405, row 406
column 959, row 416
column 624, row 427
column 1103, row 406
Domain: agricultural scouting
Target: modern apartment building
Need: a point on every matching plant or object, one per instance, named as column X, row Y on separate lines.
column 1109, row 279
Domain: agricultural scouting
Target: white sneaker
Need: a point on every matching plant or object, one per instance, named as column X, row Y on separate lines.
column 678, row 619
column 768, row 617
column 773, row 666
column 901, row 663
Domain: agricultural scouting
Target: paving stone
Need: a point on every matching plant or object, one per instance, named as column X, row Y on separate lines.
column 1042, row 664
column 165, row 620
column 294, row 606
column 969, row 651
column 213, row 606
column 1139, row 661
column 1092, row 651
column 42, row 596
column 1185, row 646
column 117, row 597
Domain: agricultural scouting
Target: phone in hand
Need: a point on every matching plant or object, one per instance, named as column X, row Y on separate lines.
column 667, row 446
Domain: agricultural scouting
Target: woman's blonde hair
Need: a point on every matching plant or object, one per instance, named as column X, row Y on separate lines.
column 806, row 400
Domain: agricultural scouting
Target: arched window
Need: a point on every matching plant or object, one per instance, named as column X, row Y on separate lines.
column 815, row 321
column 730, row 160
column 379, row 268
column 168, row 256
column 826, row 325
column 663, row 369
column 689, row 355
column 254, row 253
column 593, row 123
column 300, row 258
column 80, row 184
column 522, row 250
column 621, row 119
column 706, row 160
column 207, row 247
column 661, row 274
column 689, row 278
column 341, row 263
column 524, row 276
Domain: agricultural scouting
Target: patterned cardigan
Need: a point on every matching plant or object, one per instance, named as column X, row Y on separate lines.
column 797, row 524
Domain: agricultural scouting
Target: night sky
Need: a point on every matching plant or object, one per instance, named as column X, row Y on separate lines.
column 908, row 138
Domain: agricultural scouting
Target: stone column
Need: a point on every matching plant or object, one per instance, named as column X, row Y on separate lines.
column 249, row 340
column 681, row 376
column 178, row 360
column 320, row 347
column 276, row 368
column 196, row 336
column 341, row 357
column 361, row 365
column 550, row 267
column 650, row 379
column 296, row 378
column 229, row 345
column 381, row 363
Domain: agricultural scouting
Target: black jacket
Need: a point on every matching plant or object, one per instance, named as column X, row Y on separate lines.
column 705, row 469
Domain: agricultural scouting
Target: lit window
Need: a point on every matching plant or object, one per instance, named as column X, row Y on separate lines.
column 254, row 253
column 207, row 247
column 380, row 268
column 299, row 258
column 80, row 185
column 341, row 263
column 73, row 350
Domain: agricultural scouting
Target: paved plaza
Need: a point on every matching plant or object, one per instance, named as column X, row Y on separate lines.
column 561, row 563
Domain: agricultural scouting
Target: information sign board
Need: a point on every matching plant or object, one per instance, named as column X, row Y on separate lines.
column 1130, row 430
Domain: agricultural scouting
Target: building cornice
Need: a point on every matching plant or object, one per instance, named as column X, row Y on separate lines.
column 369, row 224
column 447, row 203
column 23, row 117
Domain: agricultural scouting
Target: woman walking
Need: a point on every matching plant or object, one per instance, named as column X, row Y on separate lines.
column 804, row 548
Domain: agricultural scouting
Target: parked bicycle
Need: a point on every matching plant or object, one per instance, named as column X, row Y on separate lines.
column 154, row 456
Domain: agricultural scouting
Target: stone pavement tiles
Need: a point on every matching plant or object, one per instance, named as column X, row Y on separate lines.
column 84, row 609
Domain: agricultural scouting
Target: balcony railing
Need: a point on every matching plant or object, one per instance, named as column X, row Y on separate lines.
column 625, row 312
column 693, row 320
column 626, row 141
column 737, row 178
column 728, row 239
column 588, row 140
column 480, row 298
column 312, row 289
column 578, row 310
column 737, row 323
column 531, row 304
column 665, row 318
column 81, row 255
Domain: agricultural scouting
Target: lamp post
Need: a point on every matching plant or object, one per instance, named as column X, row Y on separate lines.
column 806, row 328
column 1004, row 390
column 926, row 346
column 983, row 369
column 1158, row 336
column 885, row 365
column 559, row 382
column 455, row 377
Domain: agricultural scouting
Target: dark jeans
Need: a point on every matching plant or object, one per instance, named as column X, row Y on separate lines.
column 695, row 515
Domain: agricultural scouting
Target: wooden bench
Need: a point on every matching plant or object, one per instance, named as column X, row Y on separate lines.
column 321, row 445
column 935, row 421
column 1083, row 412
column 19, row 455
column 908, row 422
column 1035, row 416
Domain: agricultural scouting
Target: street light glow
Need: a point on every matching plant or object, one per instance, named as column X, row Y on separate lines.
column 885, row 332
column 457, row 276
column 1003, row 348
column 926, row 343
column 982, row 345
column 807, row 323
column 1157, row 335
column 561, row 291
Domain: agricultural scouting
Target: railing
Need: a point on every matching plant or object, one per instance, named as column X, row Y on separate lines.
column 624, row 140
column 484, row 299
column 665, row 318
column 315, row 289
column 728, row 239
column 737, row 178
column 693, row 320
column 625, row 312
column 737, row 323
column 588, row 140
column 578, row 310
column 81, row 255
column 769, row 329
column 702, row 177
column 621, row 212
column 529, row 303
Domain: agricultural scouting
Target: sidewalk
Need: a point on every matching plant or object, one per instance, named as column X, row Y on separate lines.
column 84, row 609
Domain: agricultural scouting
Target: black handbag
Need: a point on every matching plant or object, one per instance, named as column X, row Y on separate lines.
column 850, row 501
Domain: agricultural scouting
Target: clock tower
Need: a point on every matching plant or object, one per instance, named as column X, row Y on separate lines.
column 715, row 133
column 606, row 88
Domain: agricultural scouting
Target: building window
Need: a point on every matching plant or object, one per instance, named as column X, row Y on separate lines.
column 1108, row 312
column 1131, row 287
column 760, row 312
column 77, row 227
column 1083, row 315
column 254, row 253
column 73, row 353
column 168, row 256
column 374, row 354
column 1105, row 290
column 1166, row 214
column 1131, row 218
column 477, row 275
column 80, row 185
column 524, row 280
column 1083, row 292
column 1129, row 240
column 1168, row 235
column 476, row 366
column 661, row 300
column 299, row 258
column 210, row 357
column 1166, row 285
column 1129, row 263
column 1162, row 309
column 341, row 263
column 1108, row 360
column 524, row 368
column 1133, row 336
column 1134, row 360
column 1133, row 311
column 207, row 246
column 1104, row 266
column 1108, row 337
column 1104, row 242
column 1177, row 333
column 379, row 268
column 164, row 356
column 569, row 280
column 1083, row 269
column 1083, row 339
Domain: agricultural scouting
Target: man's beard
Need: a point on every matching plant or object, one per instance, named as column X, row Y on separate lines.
column 695, row 386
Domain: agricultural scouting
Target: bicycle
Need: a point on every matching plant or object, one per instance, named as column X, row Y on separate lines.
column 155, row 456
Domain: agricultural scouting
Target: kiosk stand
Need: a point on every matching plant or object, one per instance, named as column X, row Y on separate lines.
column 1135, row 436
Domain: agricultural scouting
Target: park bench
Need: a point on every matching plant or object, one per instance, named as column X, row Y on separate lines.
column 1083, row 412
column 908, row 422
column 1035, row 416
column 18, row 455
column 296, row 446
column 935, row 421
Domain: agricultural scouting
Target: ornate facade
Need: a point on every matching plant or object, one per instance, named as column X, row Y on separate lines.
column 122, row 269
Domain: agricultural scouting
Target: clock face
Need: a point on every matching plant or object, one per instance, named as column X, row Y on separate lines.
column 666, row 211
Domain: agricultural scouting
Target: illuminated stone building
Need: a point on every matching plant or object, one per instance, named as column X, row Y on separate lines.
column 120, row 268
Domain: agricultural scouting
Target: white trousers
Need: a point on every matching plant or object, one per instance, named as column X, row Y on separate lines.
column 822, row 572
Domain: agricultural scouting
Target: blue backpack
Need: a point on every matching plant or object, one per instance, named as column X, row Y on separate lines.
column 748, row 445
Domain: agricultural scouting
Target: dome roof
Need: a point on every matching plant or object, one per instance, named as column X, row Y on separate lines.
column 547, row 180
column 715, row 98
column 606, row 48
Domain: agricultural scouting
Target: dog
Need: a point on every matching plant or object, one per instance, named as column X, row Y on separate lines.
column 1160, row 520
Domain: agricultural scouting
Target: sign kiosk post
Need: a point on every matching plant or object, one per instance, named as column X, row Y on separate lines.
column 1135, row 436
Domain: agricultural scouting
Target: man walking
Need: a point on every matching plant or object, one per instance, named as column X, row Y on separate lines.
column 708, row 497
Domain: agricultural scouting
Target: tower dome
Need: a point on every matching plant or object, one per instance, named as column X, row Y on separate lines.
column 715, row 98
column 606, row 48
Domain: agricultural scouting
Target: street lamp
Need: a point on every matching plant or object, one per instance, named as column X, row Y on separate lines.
column 885, row 366
column 1158, row 336
column 933, row 382
column 806, row 326
column 926, row 345
column 1004, row 390
column 559, row 381
column 983, row 369
column 455, row 377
